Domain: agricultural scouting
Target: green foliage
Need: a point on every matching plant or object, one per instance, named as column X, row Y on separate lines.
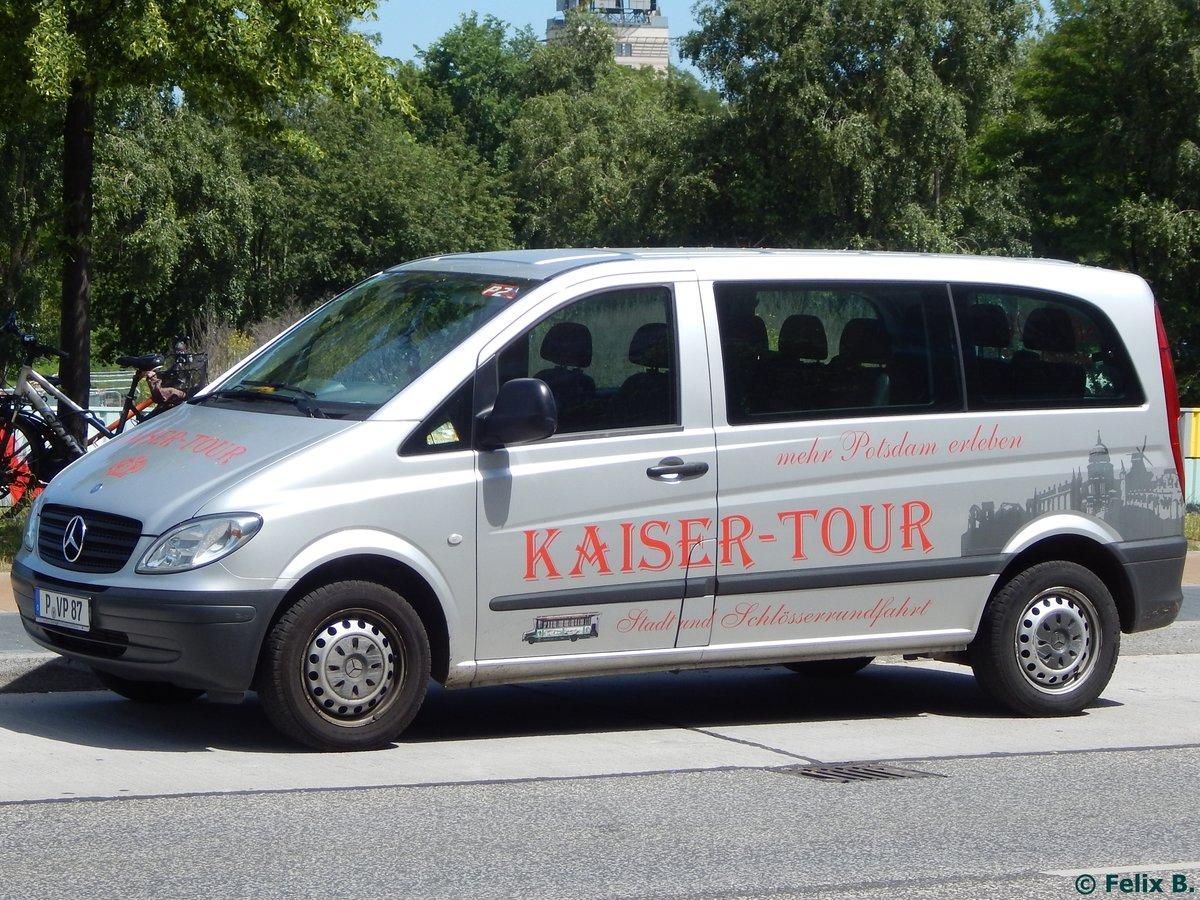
column 30, row 212
column 484, row 74
column 859, row 118
column 608, row 166
column 12, row 528
column 1107, row 134
column 229, row 59
column 903, row 124
column 373, row 197
column 1191, row 529
column 173, row 219
column 234, row 57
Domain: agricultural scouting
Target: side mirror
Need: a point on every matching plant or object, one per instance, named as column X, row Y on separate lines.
column 524, row 411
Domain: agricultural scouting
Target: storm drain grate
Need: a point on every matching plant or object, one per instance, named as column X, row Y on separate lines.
column 846, row 774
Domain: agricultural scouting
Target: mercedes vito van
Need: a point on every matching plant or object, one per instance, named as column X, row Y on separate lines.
column 502, row 467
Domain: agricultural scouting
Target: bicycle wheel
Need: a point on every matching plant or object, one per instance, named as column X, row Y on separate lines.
column 21, row 456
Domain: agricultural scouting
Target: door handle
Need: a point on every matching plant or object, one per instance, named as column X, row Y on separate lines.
column 675, row 469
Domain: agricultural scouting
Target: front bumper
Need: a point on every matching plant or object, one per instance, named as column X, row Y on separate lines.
column 203, row 640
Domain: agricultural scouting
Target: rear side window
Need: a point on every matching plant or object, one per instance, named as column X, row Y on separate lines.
column 805, row 350
column 1026, row 349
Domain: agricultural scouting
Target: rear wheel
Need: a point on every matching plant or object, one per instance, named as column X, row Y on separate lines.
column 1048, row 641
column 346, row 668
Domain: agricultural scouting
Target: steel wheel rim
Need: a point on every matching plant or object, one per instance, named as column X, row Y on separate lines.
column 351, row 668
column 1057, row 641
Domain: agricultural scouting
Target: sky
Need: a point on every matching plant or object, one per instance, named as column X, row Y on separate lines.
column 403, row 23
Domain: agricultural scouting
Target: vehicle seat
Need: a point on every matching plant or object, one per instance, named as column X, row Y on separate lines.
column 744, row 345
column 567, row 346
column 858, row 374
column 648, row 398
column 986, row 334
column 798, row 373
column 1049, row 330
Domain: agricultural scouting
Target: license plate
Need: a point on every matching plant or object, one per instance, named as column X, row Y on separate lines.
column 62, row 609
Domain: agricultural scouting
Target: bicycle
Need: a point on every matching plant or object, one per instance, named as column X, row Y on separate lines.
column 35, row 445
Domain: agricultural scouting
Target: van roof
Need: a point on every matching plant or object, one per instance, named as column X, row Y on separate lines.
column 542, row 265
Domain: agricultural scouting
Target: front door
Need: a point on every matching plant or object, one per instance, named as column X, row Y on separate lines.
column 590, row 541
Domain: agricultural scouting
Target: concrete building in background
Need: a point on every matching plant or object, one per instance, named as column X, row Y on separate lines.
column 640, row 29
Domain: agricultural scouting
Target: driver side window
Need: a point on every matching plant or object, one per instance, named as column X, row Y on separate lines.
column 609, row 360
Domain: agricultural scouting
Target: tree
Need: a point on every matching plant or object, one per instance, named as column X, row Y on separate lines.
column 233, row 59
column 173, row 221
column 1108, row 131
column 604, row 154
column 857, row 122
column 485, row 75
column 613, row 165
column 29, row 210
column 373, row 197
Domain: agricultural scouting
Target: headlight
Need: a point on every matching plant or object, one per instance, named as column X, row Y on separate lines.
column 29, row 538
column 198, row 543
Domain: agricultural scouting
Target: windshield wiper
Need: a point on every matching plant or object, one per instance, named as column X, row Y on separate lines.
column 258, row 390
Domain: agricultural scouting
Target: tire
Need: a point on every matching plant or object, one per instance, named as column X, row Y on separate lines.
column 146, row 691
column 307, row 686
column 831, row 668
column 1048, row 640
column 21, row 450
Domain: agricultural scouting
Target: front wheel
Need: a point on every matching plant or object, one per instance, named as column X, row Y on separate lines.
column 1048, row 641
column 345, row 668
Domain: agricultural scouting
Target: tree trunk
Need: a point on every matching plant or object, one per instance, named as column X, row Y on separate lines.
column 76, row 329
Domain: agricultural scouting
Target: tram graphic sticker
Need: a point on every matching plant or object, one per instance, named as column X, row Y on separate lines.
column 564, row 628
column 1137, row 500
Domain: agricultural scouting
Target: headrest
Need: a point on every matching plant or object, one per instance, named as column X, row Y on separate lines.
column 568, row 344
column 747, row 332
column 803, row 337
column 651, row 346
column 865, row 341
column 1049, row 328
column 986, row 325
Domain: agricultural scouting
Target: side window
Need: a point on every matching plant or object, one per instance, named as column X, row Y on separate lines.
column 803, row 350
column 609, row 359
column 1026, row 348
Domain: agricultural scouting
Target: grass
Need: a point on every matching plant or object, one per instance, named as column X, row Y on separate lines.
column 10, row 537
column 1191, row 529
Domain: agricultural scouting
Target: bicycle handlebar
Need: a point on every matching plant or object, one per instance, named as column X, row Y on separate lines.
column 32, row 346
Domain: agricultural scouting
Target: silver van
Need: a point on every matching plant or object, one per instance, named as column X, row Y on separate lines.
column 502, row 467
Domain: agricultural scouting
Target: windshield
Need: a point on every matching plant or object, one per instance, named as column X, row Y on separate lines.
column 365, row 346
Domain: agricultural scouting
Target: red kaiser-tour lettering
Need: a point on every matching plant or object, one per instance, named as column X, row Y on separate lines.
column 657, row 545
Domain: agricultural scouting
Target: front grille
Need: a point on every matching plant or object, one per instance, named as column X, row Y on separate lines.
column 108, row 540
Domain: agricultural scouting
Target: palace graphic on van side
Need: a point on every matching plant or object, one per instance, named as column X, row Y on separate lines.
column 1135, row 500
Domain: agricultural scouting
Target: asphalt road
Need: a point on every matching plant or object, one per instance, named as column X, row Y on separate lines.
column 676, row 785
column 664, row 786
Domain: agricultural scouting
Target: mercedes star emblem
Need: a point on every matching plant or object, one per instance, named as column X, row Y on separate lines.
column 72, row 542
